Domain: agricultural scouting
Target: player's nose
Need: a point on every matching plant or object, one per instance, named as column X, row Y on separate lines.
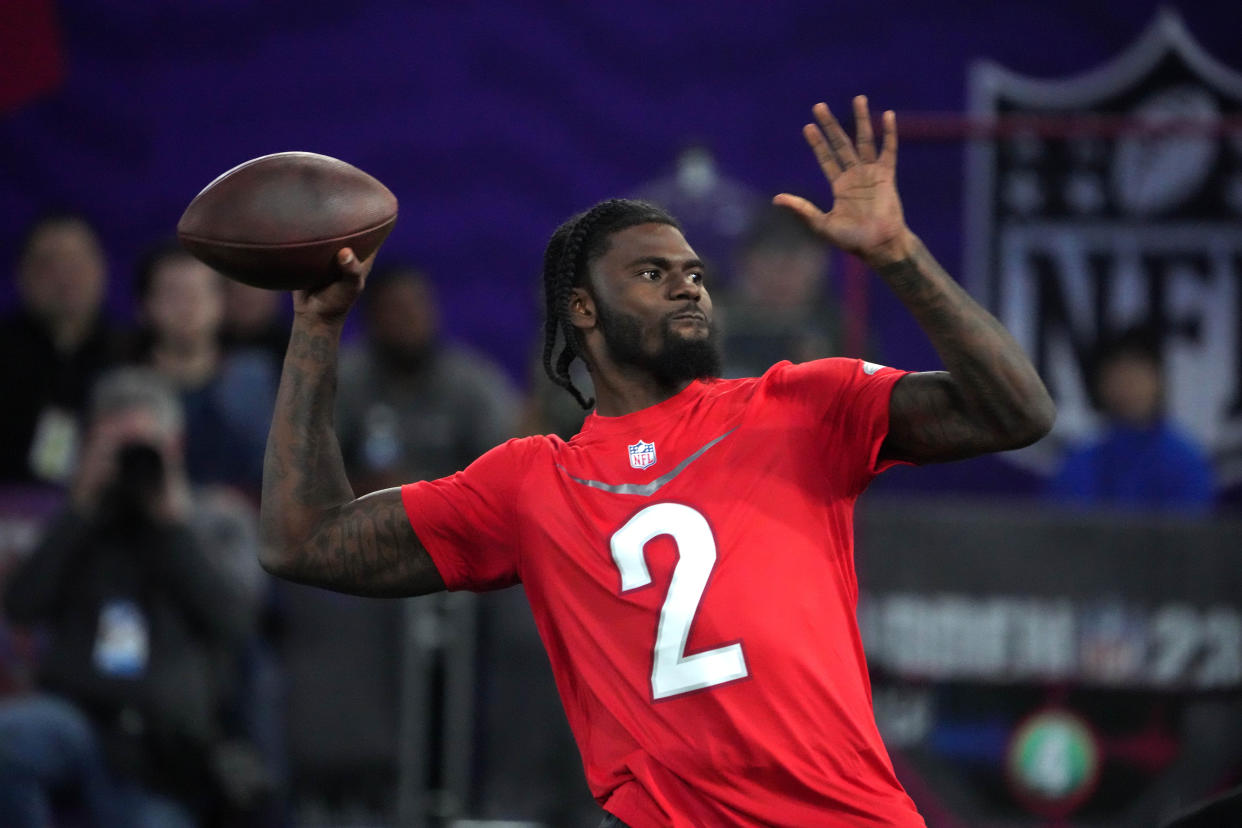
column 687, row 286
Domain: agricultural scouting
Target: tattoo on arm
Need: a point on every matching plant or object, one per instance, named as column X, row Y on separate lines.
column 991, row 398
column 313, row 530
column 367, row 547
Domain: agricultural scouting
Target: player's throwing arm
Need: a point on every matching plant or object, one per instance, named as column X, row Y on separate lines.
column 312, row 528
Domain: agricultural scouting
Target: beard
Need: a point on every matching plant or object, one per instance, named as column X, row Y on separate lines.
column 678, row 358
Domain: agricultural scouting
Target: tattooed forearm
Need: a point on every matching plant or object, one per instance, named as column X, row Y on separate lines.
column 991, row 398
column 303, row 461
column 313, row 530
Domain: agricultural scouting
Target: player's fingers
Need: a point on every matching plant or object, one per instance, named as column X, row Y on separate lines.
column 823, row 154
column 347, row 260
column 862, row 129
column 352, row 269
column 799, row 205
column 888, row 154
column 837, row 139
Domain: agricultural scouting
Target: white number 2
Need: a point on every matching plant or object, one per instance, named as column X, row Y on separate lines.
column 672, row 671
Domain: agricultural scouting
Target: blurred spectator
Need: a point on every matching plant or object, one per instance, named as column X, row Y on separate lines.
column 1141, row 459
column 777, row 306
column 24, row 512
column 713, row 209
column 412, row 406
column 228, row 398
column 253, row 320
column 146, row 624
column 55, row 344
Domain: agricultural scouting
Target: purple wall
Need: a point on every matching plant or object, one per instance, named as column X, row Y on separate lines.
column 494, row 121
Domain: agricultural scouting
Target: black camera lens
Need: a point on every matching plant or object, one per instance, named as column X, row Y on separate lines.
column 138, row 482
column 140, row 468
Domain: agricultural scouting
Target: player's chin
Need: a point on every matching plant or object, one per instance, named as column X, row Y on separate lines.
column 690, row 328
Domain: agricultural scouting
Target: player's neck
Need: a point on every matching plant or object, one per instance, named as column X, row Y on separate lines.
column 621, row 391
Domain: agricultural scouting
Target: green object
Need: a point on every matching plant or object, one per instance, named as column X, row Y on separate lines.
column 1053, row 759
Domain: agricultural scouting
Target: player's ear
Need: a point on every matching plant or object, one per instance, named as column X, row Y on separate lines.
column 582, row 308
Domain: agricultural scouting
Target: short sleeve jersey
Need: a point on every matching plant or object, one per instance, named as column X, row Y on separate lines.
column 690, row 570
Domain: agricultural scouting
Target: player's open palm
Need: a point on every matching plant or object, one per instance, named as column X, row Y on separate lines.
column 866, row 213
column 332, row 302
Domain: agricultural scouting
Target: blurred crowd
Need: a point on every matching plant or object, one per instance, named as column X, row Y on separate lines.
column 152, row 674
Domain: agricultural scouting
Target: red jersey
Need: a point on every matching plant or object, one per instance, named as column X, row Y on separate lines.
column 690, row 570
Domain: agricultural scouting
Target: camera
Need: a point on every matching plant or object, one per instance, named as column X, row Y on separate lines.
column 139, row 481
column 140, row 468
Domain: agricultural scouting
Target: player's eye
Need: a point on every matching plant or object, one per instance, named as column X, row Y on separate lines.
column 650, row 275
column 697, row 277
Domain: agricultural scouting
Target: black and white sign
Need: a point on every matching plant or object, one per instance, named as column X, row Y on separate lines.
column 1111, row 200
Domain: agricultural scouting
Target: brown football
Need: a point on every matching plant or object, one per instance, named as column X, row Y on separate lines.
column 278, row 221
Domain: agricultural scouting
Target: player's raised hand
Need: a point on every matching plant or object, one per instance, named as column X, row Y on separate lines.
column 332, row 302
column 866, row 217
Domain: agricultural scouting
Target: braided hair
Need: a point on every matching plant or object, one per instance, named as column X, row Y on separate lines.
column 566, row 261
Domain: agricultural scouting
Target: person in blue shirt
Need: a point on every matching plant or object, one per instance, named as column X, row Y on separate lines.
column 1141, row 460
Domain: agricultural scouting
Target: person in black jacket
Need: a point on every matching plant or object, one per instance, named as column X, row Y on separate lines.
column 144, row 628
column 56, row 342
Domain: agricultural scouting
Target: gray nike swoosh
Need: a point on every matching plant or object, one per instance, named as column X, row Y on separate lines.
column 647, row 489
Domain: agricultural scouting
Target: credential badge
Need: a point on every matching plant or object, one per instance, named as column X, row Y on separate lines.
column 642, row 454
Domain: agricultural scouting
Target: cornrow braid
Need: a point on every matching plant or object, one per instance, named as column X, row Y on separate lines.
column 566, row 262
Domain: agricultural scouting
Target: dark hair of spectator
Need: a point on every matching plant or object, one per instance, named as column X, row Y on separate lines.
column 1137, row 342
column 566, row 261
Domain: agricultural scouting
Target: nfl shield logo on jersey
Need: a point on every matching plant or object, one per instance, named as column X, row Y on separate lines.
column 642, row 454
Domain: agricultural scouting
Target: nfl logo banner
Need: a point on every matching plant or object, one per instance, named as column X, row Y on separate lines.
column 1113, row 202
column 642, row 454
